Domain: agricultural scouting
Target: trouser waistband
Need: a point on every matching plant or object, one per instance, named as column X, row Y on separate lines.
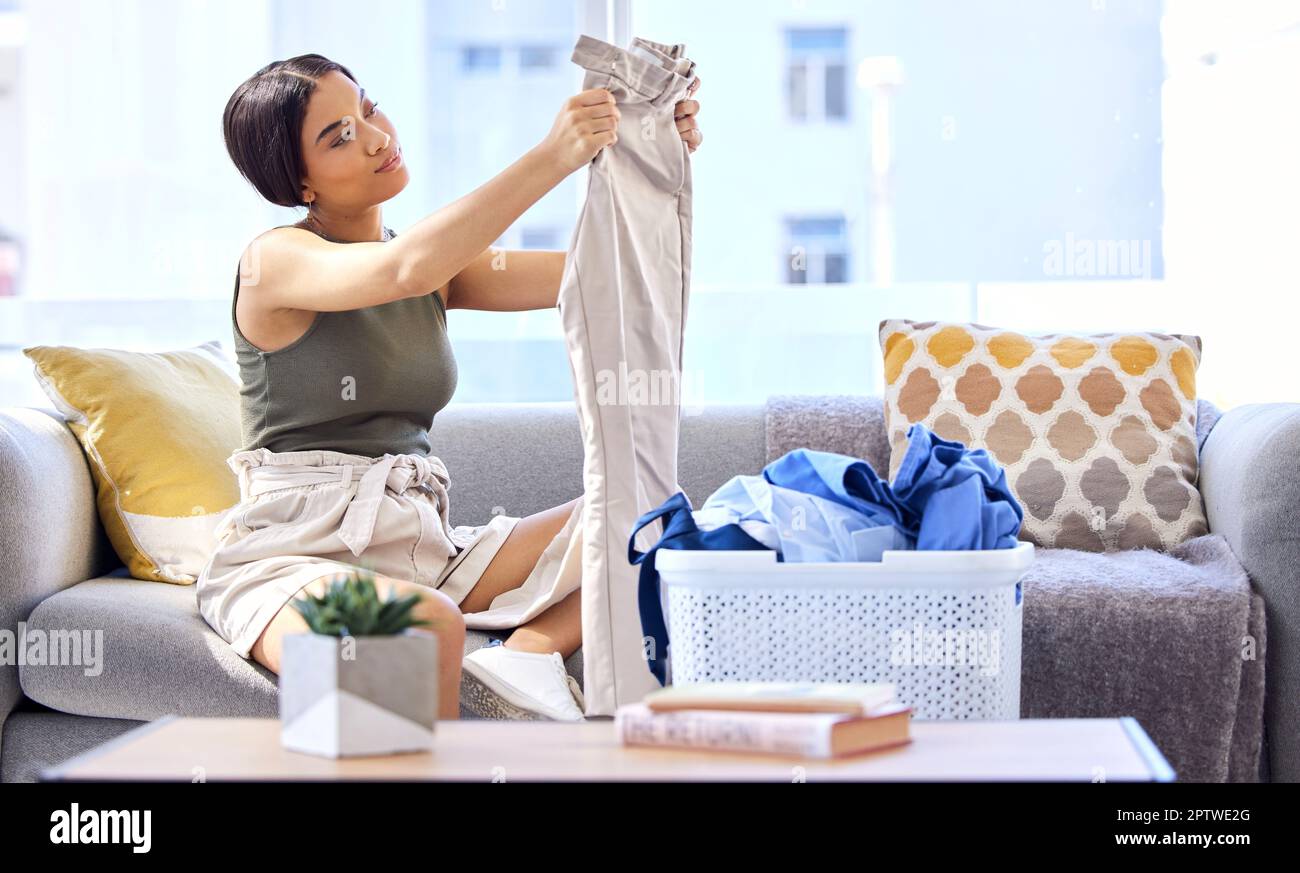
column 652, row 70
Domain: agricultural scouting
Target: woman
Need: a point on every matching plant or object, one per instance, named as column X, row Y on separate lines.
column 344, row 360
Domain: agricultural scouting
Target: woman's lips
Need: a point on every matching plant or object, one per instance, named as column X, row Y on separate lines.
column 393, row 163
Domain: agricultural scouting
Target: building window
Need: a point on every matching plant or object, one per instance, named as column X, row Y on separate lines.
column 817, row 74
column 817, row 250
column 480, row 58
column 539, row 238
column 537, row 57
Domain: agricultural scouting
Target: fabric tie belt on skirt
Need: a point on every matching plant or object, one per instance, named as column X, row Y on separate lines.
column 397, row 473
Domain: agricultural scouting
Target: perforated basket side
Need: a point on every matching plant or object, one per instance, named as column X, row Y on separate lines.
column 950, row 653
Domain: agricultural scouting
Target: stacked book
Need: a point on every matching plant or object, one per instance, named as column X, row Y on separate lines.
column 810, row 720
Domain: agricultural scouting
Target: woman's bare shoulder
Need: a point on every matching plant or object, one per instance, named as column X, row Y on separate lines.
column 266, row 254
column 260, row 263
column 263, row 319
column 283, row 235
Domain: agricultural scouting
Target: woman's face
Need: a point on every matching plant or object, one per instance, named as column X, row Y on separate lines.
column 343, row 158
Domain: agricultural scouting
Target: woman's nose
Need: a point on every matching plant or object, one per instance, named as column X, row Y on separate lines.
column 379, row 140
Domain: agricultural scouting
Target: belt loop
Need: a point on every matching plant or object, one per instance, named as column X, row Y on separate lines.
column 347, row 476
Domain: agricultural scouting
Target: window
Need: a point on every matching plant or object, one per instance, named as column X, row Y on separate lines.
column 539, row 238
column 537, row 57
column 817, row 74
column 529, row 58
column 1023, row 138
column 480, row 59
column 816, row 251
column 927, row 165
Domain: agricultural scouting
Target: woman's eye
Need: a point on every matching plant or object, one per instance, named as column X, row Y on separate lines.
column 374, row 107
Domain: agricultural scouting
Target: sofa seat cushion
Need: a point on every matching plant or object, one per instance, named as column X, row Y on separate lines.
column 158, row 656
column 1175, row 640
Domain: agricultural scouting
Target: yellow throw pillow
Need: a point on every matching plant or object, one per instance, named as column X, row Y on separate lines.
column 1097, row 432
column 157, row 429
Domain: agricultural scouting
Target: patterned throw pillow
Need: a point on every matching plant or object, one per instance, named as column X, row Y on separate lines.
column 157, row 429
column 1097, row 432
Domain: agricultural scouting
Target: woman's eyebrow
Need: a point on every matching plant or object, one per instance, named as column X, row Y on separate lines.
column 361, row 99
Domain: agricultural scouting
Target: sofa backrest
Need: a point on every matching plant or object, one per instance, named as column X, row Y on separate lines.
column 512, row 458
column 518, row 459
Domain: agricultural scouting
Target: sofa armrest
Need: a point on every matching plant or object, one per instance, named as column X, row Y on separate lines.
column 1250, row 483
column 50, row 535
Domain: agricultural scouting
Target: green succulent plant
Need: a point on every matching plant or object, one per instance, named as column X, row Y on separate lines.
column 351, row 607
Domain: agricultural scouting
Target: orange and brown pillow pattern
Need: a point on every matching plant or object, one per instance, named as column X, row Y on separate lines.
column 1097, row 432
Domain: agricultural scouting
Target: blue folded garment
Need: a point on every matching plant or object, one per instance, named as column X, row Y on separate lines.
column 945, row 496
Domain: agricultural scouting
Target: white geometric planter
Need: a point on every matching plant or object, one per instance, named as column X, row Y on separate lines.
column 376, row 695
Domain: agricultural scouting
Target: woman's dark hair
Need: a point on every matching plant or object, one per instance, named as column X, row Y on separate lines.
column 263, row 125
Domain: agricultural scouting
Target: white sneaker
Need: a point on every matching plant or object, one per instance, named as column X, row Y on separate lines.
column 503, row 683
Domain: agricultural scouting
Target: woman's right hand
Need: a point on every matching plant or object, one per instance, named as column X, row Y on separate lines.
column 587, row 122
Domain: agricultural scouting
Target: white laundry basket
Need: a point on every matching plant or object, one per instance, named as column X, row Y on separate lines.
column 943, row 627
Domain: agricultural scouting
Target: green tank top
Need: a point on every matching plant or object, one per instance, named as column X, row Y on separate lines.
column 363, row 381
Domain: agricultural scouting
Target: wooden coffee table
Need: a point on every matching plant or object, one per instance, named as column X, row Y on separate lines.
column 248, row 749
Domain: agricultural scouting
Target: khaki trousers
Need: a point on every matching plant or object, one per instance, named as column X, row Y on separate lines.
column 623, row 307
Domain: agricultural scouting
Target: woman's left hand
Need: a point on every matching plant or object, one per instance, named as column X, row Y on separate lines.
column 685, row 113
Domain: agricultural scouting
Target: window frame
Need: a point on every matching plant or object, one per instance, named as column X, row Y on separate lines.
column 817, row 247
column 816, row 72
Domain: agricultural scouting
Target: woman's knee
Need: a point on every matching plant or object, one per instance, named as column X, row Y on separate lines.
column 433, row 611
column 436, row 609
column 442, row 613
column 433, row 606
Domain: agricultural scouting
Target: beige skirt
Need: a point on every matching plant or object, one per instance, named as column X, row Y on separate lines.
column 308, row 514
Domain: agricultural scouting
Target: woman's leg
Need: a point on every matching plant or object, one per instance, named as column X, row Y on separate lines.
column 446, row 621
column 558, row 629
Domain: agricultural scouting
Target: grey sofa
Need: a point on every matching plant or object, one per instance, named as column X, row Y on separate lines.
column 1180, row 640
